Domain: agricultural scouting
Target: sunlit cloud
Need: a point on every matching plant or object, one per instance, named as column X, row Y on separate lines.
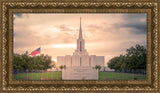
column 64, row 46
column 55, row 60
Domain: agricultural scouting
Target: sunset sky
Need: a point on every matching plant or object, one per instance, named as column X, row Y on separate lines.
column 106, row 35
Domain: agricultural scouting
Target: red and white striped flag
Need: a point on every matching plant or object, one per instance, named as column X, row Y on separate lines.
column 35, row 52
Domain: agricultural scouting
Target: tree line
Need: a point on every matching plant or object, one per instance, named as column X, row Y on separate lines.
column 26, row 62
column 135, row 58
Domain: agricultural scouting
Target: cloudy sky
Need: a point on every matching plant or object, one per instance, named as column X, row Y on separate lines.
column 106, row 35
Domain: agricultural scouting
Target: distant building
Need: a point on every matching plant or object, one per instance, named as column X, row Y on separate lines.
column 81, row 57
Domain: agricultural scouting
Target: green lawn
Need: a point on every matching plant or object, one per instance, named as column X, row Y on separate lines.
column 119, row 76
column 35, row 76
column 58, row 76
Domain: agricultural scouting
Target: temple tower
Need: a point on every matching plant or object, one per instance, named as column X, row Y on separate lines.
column 80, row 44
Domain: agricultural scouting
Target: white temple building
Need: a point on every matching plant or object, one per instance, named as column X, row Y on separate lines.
column 81, row 57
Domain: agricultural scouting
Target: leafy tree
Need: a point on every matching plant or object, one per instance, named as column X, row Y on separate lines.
column 112, row 63
column 61, row 67
column 135, row 58
column 25, row 61
column 98, row 67
column 64, row 66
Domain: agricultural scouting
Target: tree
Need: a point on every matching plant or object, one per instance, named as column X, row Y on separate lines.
column 18, row 62
column 112, row 63
column 25, row 62
column 61, row 67
column 98, row 67
column 53, row 64
column 135, row 58
column 64, row 66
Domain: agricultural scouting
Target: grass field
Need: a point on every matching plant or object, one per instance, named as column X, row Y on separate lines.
column 39, row 76
column 58, row 76
column 119, row 76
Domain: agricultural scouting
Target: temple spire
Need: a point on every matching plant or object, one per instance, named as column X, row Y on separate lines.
column 80, row 30
column 80, row 43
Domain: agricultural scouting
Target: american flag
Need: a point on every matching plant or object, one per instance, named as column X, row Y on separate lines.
column 35, row 52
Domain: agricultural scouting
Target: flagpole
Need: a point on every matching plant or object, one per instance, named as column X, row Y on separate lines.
column 39, row 54
column 40, row 50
